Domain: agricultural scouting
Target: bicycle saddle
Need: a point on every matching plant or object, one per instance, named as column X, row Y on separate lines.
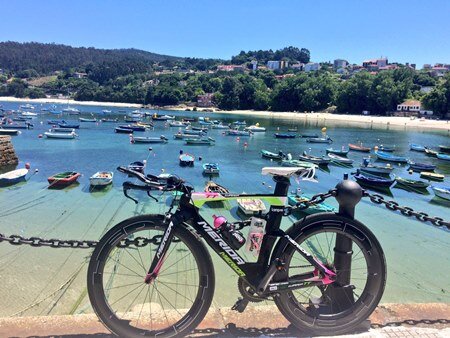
column 302, row 173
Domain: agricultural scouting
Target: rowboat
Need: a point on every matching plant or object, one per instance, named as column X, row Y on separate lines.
column 293, row 130
column 342, row 152
column 442, row 192
column 273, row 156
column 156, row 117
column 177, row 124
column 193, row 132
column 106, row 111
column 233, row 132
column 63, row 179
column 297, row 163
column 385, row 148
column 13, row 177
column 206, row 141
column 181, row 136
column 444, row 149
column 314, row 159
column 415, row 184
column 217, row 188
column 54, row 122
column 133, row 127
column 122, row 130
column 29, row 114
column 186, row 160
column 374, row 181
column 283, row 135
column 309, row 135
column 416, row 147
column 256, row 128
column 205, row 123
column 431, row 152
column 220, row 126
column 71, row 111
column 109, row 120
column 339, row 159
column 414, row 166
column 101, row 178
column 60, row 136
column 240, row 123
column 319, row 140
column 138, row 139
column 370, row 168
column 251, row 206
column 17, row 126
column 360, row 148
column 294, row 199
column 442, row 156
column 147, row 125
column 390, row 158
column 83, row 119
column 64, row 124
column 432, row 176
column 211, row 169
column 202, row 129
column 61, row 130
column 137, row 166
column 132, row 119
column 11, row 132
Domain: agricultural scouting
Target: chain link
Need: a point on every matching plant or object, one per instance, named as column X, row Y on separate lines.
column 316, row 199
column 406, row 211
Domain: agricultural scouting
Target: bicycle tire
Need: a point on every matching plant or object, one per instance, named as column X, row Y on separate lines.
column 317, row 316
column 98, row 276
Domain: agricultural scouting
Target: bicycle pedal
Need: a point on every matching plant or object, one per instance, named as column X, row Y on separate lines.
column 240, row 305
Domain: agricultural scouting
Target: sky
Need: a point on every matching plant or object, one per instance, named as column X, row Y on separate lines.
column 403, row 30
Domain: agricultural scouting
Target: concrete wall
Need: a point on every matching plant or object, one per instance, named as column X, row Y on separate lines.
column 7, row 154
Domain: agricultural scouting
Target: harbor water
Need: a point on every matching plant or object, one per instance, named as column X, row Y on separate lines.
column 53, row 281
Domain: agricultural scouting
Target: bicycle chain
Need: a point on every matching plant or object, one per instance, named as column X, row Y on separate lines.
column 141, row 241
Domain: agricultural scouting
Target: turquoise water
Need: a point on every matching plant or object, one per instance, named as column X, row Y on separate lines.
column 416, row 253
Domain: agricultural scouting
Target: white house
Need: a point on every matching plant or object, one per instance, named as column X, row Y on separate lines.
column 312, row 67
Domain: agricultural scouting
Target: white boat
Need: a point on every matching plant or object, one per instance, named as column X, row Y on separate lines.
column 26, row 106
column 143, row 139
column 61, row 130
column 71, row 111
column 442, row 192
column 101, row 178
column 255, row 128
column 61, row 136
column 13, row 177
column 251, row 206
column 106, row 111
column 177, row 124
column 340, row 159
column 29, row 114
column 220, row 126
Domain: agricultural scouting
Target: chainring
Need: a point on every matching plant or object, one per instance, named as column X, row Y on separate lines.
column 247, row 291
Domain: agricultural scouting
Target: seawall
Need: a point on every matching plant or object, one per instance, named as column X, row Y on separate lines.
column 7, row 154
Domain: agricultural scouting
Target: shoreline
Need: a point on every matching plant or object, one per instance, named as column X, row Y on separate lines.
column 320, row 118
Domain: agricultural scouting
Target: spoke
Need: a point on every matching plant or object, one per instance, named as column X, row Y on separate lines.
column 131, row 304
column 140, row 312
column 162, row 305
column 172, row 273
column 142, row 265
column 126, row 267
column 160, row 294
column 122, row 286
column 167, row 268
column 117, row 300
column 175, row 291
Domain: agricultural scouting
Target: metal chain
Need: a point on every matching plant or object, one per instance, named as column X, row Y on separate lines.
column 406, row 211
column 316, row 199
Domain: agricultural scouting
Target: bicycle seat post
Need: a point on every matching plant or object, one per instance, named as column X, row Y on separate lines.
column 282, row 185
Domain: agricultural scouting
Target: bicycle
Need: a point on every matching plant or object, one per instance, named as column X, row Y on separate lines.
column 326, row 273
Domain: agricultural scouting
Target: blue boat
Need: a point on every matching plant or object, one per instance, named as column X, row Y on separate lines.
column 418, row 167
column 374, row 181
column 54, row 122
column 121, row 130
column 65, row 124
column 280, row 135
column 416, row 147
column 390, row 158
column 385, row 148
column 133, row 127
column 211, row 169
column 13, row 177
column 443, row 157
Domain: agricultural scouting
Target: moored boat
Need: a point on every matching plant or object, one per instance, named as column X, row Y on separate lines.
column 385, row 148
column 65, row 124
column 432, row 176
column 431, row 152
column 177, row 124
column 233, row 132
column 297, row 163
column 294, row 199
column 133, row 127
column 10, row 132
column 416, row 147
column 414, row 184
column 285, row 135
column 390, row 158
column 101, row 178
column 186, row 160
column 63, row 179
column 240, row 123
column 157, row 117
column 319, row 140
column 273, row 156
column 83, row 119
column 442, row 156
column 182, row 136
column 339, row 159
column 442, row 192
column 444, row 149
column 374, row 169
column 255, row 128
column 13, row 177
column 323, row 161
column 414, row 166
column 105, row 120
column 121, row 130
column 207, row 141
column 373, row 181
column 139, row 139
column 220, row 126
column 211, row 169
column 138, row 166
column 309, row 135
column 342, row 152
column 60, row 136
column 360, row 148
column 61, row 130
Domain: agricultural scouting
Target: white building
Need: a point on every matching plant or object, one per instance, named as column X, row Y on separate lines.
column 340, row 63
column 312, row 67
column 277, row 64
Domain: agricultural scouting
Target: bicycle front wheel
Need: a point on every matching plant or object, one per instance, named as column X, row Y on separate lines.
column 171, row 305
column 352, row 251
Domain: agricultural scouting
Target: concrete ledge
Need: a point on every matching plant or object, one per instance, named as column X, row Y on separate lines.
column 404, row 320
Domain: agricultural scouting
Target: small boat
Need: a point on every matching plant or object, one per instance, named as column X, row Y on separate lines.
column 293, row 130
column 373, row 181
column 121, row 130
column 220, row 126
column 360, row 148
column 63, row 179
column 101, row 179
column 106, row 111
column 273, row 156
column 186, row 160
column 414, row 184
column 390, row 158
column 147, row 125
column 133, row 127
column 444, row 149
column 156, row 117
column 240, row 123
column 385, row 148
column 61, row 136
column 297, row 163
column 342, row 152
column 309, row 135
column 193, row 132
column 83, row 119
column 314, row 159
column 202, row 129
column 432, row 176
column 319, row 140
column 137, row 139
column 293, row 199
column 17, row 126
column 21, row 119
column 11, row 132
column 431, row 152
column 285, row 135
column 251, row 206
column 233, row 132
column 54, row 122
column 374, row 169
column 442, row 192
column 416, row 147
column 217, row 188
column 255, row 128
column 442, row 156
column 414, row 166
column 207, row 141
column 188, row 119
column 61, row 130
column 137, row 166
column 13, row 177
column 181, row 136
column 29, row 114
column 26, row 106
column 339, row 159
column 177, row 124
column 205, row 123
column 71, row 111
column 211, row 169
column 132, row 119
column 64, row 124
column 109, row 120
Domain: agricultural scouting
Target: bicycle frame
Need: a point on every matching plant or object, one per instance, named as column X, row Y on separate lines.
column 260, row 273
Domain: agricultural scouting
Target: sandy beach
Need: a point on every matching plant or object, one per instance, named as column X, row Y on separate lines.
column 321, row 119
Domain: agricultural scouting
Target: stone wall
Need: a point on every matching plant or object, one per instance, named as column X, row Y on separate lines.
column 7, row 154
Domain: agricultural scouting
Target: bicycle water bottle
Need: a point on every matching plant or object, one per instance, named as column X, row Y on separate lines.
column 232, row 236
column 255, row 235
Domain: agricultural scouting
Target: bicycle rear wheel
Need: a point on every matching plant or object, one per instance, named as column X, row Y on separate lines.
column 341, row 306
column 173, row 304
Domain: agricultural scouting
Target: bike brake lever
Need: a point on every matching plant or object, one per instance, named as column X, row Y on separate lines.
column 125, row 192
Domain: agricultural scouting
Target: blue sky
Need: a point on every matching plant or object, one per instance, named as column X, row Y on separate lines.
column 403, row 30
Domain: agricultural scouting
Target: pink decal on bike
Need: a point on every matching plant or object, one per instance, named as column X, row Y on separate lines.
column 150, row 277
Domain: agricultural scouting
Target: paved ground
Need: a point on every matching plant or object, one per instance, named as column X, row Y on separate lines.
column 389, row 320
